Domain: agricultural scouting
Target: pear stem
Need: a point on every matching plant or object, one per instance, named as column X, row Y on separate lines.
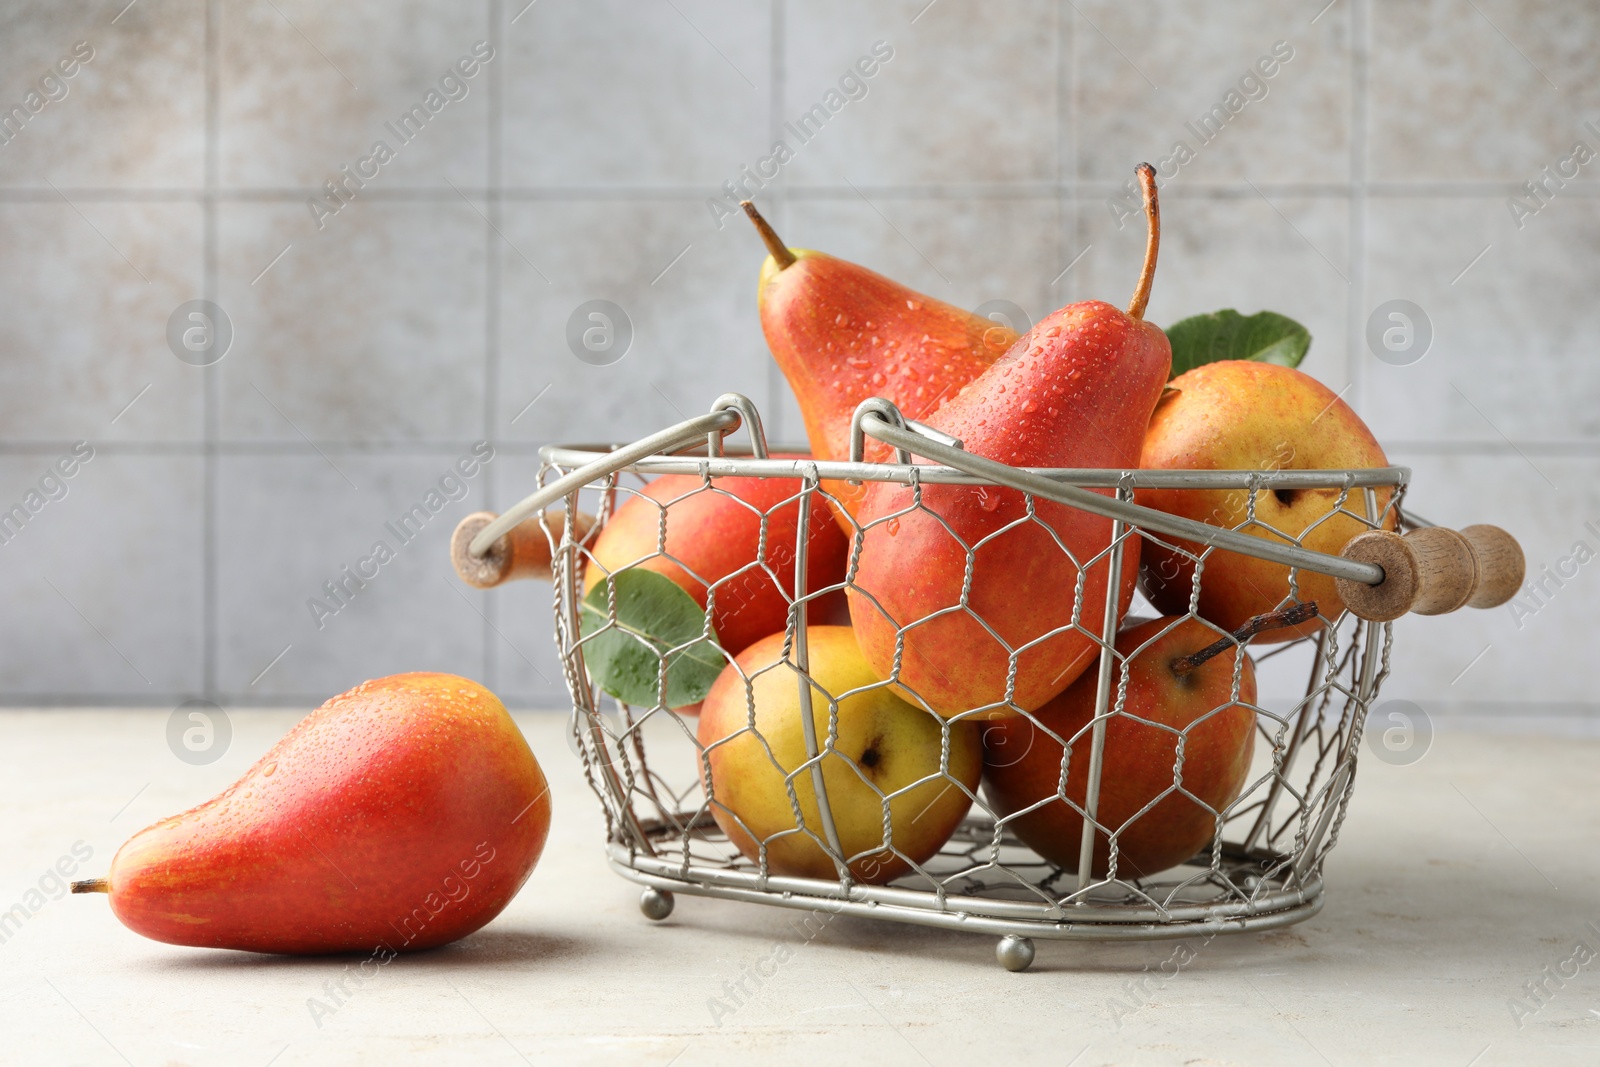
column 780, row 251
column 92, row 885
column 1152, row 212
column 1272, row 620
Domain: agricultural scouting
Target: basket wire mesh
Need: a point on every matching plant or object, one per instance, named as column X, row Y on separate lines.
column 654, row 776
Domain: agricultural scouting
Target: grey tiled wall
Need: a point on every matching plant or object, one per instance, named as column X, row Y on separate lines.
column 429, row 313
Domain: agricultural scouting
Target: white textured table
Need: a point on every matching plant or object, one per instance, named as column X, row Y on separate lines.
column 1456, row 883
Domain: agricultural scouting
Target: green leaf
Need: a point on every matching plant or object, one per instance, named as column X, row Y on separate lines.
column 1265, row 336
column 654, row 614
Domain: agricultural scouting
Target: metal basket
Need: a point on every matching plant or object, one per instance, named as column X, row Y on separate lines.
column 1264, row 866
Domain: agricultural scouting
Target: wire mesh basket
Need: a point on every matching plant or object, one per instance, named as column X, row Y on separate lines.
column 838, row 835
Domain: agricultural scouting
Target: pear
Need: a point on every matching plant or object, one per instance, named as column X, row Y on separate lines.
column 1178, row 690
column 400, row 815
column 1076, row 391
column 898, row 780
column 736, row 537
column 1241, row 414
column 842, row 333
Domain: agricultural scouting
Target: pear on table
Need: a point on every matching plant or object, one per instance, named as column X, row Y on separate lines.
column 401, row 815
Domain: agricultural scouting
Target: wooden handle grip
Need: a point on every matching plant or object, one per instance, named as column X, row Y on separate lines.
column 522, row 553
column 1501, row 566
column 1433, row 570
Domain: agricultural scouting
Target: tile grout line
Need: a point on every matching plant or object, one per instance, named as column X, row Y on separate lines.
column 1485, row 189
column 1068, row 235
column 1058, row 168
column 1571, row 446
column 1083, row 230
column 777, row 76
column 494, row 282
column 210, row 376
column 1360, row 101
column 302, row 447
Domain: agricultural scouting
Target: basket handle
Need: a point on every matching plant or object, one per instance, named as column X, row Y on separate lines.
column 523, row 552
column 1434, row 570
column 1380, row 575
column 723, row 417
column 1145, row 518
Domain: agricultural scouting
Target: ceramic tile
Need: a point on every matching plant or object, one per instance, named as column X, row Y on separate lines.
column 372, row 329
column 1151, row 78
column 88, row 292
column 104, row 576
column 1512, row 330
column 289, row 524
column 687, row 292
column 957, row 94
column 1493, row 91
column 131, row 114
column 612, row 93
column 307, row 89
column 1529, row 648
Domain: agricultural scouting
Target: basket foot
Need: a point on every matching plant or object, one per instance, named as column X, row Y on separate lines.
column 1014, row 953
column 657, row 904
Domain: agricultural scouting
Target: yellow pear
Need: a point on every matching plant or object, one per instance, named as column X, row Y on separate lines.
column 1247, row 415
column 886, row 754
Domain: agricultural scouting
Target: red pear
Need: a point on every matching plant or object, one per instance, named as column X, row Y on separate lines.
column 713, row 539
column 842, row 334
column 1076, row 391
column 1159, row 825
column 401, row 815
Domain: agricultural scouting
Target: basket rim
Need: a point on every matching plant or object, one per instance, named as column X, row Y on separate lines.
column 879, row 419
column 741, row 463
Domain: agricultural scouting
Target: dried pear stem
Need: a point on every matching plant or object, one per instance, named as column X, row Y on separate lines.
column 1272, row 620
column 1152, row 212
column 780, row 251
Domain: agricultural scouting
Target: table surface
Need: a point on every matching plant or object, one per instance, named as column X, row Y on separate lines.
column 1457, row 882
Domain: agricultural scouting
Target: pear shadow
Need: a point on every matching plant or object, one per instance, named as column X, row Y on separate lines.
column 505, row 946
column 498, row 947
